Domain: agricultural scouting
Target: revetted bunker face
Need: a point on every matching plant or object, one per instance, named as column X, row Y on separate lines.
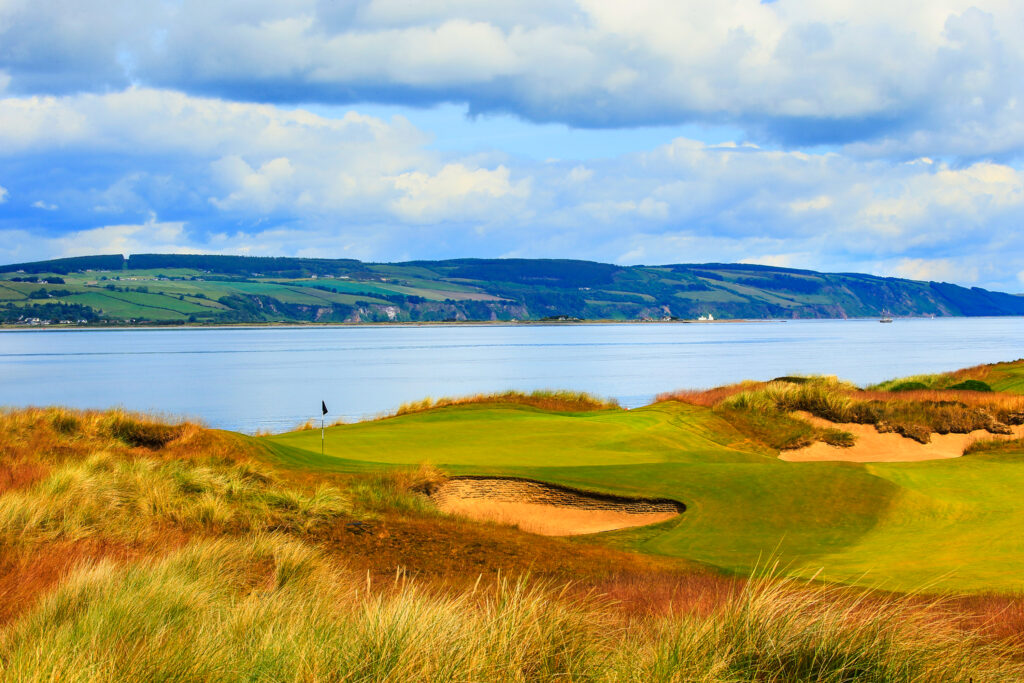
column 549, row 509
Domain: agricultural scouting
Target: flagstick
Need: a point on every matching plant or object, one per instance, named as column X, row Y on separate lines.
column 321, row 435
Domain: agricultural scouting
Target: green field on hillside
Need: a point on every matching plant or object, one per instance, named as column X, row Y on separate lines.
column 940, row 525
column 283, row 289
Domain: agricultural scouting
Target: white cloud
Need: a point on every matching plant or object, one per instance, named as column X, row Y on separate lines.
column 153, row 236
column 40, row 204
column 916, row 77
column 940, row 270
column 262, row 179
column 814, row 204
column 3, row 194
column 165, row 121
column 580, row 174
column 264, row 189
column 797, row 260
column 455, row 192
column 260, row 158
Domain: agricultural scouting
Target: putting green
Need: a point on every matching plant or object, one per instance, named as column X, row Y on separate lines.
column 950, row 524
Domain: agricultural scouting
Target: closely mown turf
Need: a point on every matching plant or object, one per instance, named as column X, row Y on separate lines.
column 898, row 526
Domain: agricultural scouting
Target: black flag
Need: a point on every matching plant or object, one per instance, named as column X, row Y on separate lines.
column 323, row 406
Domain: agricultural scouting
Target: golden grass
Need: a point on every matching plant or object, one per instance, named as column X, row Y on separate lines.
column 707, row 397
column 914, row 414
column 941, row 381
column 995, row 445
column 76, row 474
column 399, row 489
column 269, row 607
column 130, row 558
column 565, row 401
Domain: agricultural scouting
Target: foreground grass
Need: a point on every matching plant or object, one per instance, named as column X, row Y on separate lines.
column 158, row 551
column 268, row 607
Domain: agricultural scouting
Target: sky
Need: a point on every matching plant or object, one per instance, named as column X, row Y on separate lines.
column 870, row 136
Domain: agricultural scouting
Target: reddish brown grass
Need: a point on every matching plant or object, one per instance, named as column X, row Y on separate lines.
column 995, row 401
column 997, row 616
column 16, row 475
column 638, row 595
column 564, row 401
column 31, row 439
column 707, row 397
column 28, row 575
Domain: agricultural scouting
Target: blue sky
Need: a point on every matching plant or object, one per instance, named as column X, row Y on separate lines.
column 874, row 136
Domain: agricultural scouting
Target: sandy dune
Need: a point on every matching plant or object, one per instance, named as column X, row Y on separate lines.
column 547, row 510
column 871, row 446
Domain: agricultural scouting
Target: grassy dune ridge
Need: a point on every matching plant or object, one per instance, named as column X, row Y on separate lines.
column 1005, row 377
column 192, row 557
column 916, row 414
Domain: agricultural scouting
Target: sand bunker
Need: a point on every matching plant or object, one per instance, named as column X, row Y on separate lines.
column 547, row 509
column 870, row 446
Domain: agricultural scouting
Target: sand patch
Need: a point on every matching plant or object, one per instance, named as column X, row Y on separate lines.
column 871, row 446
column 547, row 509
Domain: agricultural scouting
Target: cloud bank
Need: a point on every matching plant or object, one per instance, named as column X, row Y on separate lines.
column 935, row 77
column 156, row 170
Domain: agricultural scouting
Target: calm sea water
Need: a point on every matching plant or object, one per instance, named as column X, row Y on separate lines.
column 249, row 379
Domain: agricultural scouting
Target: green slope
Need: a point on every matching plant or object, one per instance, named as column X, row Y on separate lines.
column 1006, row 377
column 257, row 289
column 897, row 526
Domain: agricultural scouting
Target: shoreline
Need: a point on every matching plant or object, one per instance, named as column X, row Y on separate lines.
column 403, row 323
column 457, row 323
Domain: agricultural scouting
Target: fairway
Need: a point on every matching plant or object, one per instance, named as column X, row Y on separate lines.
column 942, row 525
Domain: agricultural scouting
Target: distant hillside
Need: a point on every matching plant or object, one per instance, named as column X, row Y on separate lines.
column 173, row 288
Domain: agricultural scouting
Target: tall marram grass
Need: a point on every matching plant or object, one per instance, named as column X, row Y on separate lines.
column 914, row 414
column 125, row 499
column 270, row 608
column 123, row 477
column 568, row 401
column 981, row 373
column 397, row 490
column 249, row 589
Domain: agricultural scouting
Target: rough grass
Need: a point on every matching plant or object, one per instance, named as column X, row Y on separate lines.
column 404, row 490
column 1008, row 377
column 563, row 401
column 912, row 413
column 774, row 428
column 995, row 446
column 126, row 499
column 268, row 607
column 707, row 398
column 766, row 422
column 75, row 475
column 241, row 579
